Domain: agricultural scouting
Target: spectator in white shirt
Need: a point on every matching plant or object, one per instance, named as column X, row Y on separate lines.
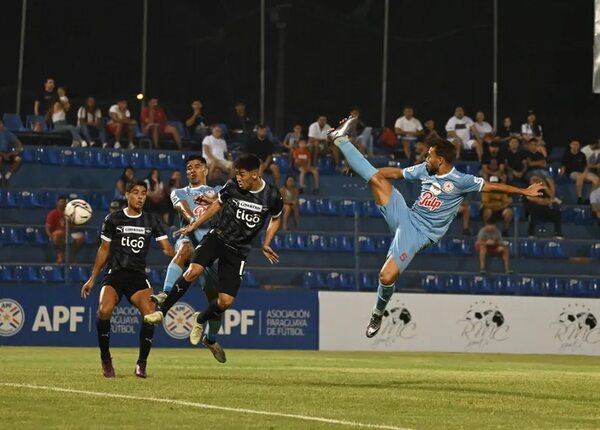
column 595, row 202
column 532, row 129
column 317, row 140
column 592, row 155
column 481, row 127
column 408, row 129
column 458, row 130
column 121, row 121
column 89, row 118
column 214, row 150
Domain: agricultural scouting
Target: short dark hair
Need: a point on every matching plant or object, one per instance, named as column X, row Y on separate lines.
column 132, row 184
column 444, row 149
column 247, row 162
column 261, row 126
column 200, row 158
column 62, row 197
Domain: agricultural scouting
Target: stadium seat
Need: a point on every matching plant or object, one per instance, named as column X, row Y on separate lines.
column 366, row 244
column 141, row 160
column 13, row 122
column 31, row 199
column 295, row 241
column 382, row 244
column 593, row 288
column 333, row 280
column 503, row 284
column 553, row 249
column 347, row 282
column 180, row 128
column 92, row 237
column 438, row 248
column 153, row 276
column 99, row 158
column 8, row 199
column 481, row 285
column 551, row 287
column 458, row 284
column 529, row 286
column 117, row 159
column 7, row 274
column 595, row 250
column 306, row 206
column 313, row 280
column 530, row 248
column 582, row 215
column 31, row 120
column 52, row 274
column 27, row 274
column 165, row 161
column 566, row 214
column 370, row 209
column 340, row 243
column 325, row 165
column 48, row 155
column 35, row 236
column 433, row 284
column 249, row 280
column 368, row 281
column 278, row 242
column 316, row 242
column 28, row 155
column 349, row 208
column 79, row 273
column 283, row 162
column 11, row 236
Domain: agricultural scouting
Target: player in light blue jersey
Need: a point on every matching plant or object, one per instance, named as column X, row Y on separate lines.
column 191, row 202
column 442, row 191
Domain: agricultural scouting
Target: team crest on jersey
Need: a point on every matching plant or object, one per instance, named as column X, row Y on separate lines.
column 448, row 187
column 430, row 201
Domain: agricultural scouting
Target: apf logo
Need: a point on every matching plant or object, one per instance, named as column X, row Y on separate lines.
column 397, row 324
column 178, row 321
column 576, row 326
column 136, row 245
column 483, row 323
column 430, row 201
column 12, row 317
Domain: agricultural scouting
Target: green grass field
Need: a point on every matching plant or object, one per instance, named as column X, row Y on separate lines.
column 364, row 390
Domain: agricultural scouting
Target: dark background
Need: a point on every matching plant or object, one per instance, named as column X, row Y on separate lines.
column 440, row 55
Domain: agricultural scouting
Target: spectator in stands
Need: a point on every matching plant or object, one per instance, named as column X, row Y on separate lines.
column 355, row 132
column 44, row 102
column 115, row 206
column 214, row 150
column 531, row 129
column 592, row 155
column 10, row 153
column 59, row 120
column 174, row 183
column 481, row 128
column 408, row 129
column 419, row 155
column 89, row 119
column 465, row 212
column 508, row 131
column 595, row 202
column 302, row 161
column 290, row 141
column 127, row 175
column 537, row 165
column 121, row 121
column 289, row 193
column 492, row 163
column 317, row 140
column 515, row 162
column 489, row 241
column 156, row 200
column 543, row 208
column 574, row 166
column 55, row 229
column 429, row 132
column 196, row 123
column 155, row 123
column 62, row 97
column 494, row 207
column 458, row 130
column 262, row 147
column 240, row 124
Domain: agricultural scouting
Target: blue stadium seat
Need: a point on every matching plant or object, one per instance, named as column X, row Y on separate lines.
column 35, row 236
column 92, row 237
column 48, row 155
column 438, row 248
column 316, row 242
column 153, row 276
column 474, row 212
column 295, row 241
column 13, row 122
column 595, row 250
column 278, row 242
column 582, row 215
column 551, row 287
column 99, row 158
column 530, row 248
column 458, row 284
column 382, row 244
column 307, row 206
column 481, row 285
column 503, row 284
column 369, row 208
column 7, row 274
column 283, row 162
column 366, row 244
column 433, row 284
column 313, row 280
column 31, row 120
column 117, row 159
column 141, row 160
column 566, row 214
column 52, row 273
column 554, row 249
column 349, row 208
column 529, row 286
column 368, row 281
column 593, row 288
column 11, row 236
column 165, row 161
column 28, row 155
column 8, row 199
column 31, row 199
column 333, row 280
column 27, row 274
column 340, row 243
column 333, row 208
column 249, row 280
column 347, row 282
column 79, row 273
column 325, row 165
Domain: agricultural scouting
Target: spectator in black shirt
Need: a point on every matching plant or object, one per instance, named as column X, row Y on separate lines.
column 429, row 131
column 44, row 102
column 262, row 147
column 240, row 124
column 196, row 122
column 542, row 209
column 515, row 162
column 574, row 166
column 492, row 164
column 507, row 131
column 537, row 165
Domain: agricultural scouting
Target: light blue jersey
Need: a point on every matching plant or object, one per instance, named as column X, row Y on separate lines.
column 193, row 195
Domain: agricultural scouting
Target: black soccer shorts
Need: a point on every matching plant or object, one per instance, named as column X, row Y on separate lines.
column 126, row 282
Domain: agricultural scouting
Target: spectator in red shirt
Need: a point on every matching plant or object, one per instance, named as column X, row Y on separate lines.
column 302, row 160
column 155, row 123
column 55, row 229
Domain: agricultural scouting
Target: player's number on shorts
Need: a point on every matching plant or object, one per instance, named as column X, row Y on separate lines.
column 403, row 256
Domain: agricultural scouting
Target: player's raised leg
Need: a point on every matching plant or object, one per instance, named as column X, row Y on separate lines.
column 108, row 300
column 174, row 271
column 141, row 300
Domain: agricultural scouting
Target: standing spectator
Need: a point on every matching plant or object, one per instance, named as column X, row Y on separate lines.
column 62, row 97
column 531, row 129
column 317, row 140
column 507, row 131
column 537, row 165
column 214, row 150
column 408, row 129
column 481, row 128
column 429, row 132
column 240, row 124
column 355, row 132
column 489, row 241
column 290, row 141
column 492, row 164
column 595, row 202
column 59, row 119
column 263, row 149
column 89, row 119
column 515, row 162
column 120, row 121
column 10, row 150
column 156, row 200
column 44, row 102
column 55, row 229
column 127, row 175
column 543, row 208
column 574, row 166
column 494, row 207
column 289, row 193
column 458, row 129
column 155, row 123
column 196, row 123
column 302, row 160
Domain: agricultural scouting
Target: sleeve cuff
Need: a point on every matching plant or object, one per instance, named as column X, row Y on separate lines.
column 108, row 239
column 163, row 237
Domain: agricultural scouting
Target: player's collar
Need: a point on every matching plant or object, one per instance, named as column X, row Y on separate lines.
column 443, row 176
column 197, row 187
column 131, row 216
column 264, row 184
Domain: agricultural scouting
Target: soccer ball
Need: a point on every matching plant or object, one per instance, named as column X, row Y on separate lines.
column 78, row 211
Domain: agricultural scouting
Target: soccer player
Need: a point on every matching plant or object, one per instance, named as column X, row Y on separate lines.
column 191, row 202
column 442, row 191
column 126, row 236
column 243, row 207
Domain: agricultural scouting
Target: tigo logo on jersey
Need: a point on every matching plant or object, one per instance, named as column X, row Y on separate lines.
column 136, row 245
column 12, row 317
column 250, row 219
column 429, row 201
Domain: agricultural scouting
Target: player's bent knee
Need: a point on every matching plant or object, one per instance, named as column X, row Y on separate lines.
column 386, row 278
column 193, row 271
column 225, row 301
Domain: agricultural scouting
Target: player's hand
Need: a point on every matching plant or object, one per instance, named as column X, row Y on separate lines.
column 270, row 254
column 183, row 231
column 86, row 290
column 534, row 190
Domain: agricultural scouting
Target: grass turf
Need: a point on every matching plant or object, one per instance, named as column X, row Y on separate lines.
column 408, row 390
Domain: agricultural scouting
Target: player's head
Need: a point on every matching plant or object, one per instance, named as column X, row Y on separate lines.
column 441, row 154
column 61, row 202
column 135, row 193
column 196, row 170
column 247, row 170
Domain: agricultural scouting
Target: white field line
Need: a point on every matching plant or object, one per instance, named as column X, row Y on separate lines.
column 203, row 406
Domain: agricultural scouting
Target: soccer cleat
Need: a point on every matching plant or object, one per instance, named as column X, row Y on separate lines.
column 107, row 367
column 140, row 370
column 216, row 349
column 374, row 325
column 154, row 318
column 197, row 330
column 342, row 129
column 159, row 298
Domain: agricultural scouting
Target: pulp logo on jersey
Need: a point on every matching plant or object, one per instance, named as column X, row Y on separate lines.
column 12, row 317
column 429, row 201
column 253, row 207
column 136, row 244
column 251, row 220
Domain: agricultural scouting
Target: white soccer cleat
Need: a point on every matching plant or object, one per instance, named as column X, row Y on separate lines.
column 197, row 330
column 155, row 318
column 342, row 129
column 159, row 298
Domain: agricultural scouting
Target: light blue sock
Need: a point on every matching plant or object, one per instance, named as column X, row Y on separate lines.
column 173, row 273
column 384, row 293
column 356, row 160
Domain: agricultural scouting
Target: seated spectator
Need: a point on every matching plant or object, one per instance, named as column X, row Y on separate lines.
column 174, row 183
column 508, row 131
column 121, row 121
column 156, row 198
column 62, row 97
column 492, row 163
column 59, row 121
column 489, row 241
column 465, row 212
column 356, row 130
column 408, row 129
column 290, row 141
column 89, row 119
column 543, row 208
column 595, row 202
column 55, row 229
column 115, row 206
column 155, row 123
column 289, row 193
column 240, row 125
column 263, row 148
column 127, row 175
column 488, row 139
column 10, row 153
column 481, row 127
column 419, row 155
column 494, row 207
column 515, row 162
column 531, row 129
column 592, row 155
column 458, row 130
column 196, row 123
column 574, row 166
column 317, row 140
column 302, row 160
column 429, row 132
column 214, row 150
column 537, row 165
column 44, row 103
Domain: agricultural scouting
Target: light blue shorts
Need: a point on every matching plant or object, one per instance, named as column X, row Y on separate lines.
column 408, row 239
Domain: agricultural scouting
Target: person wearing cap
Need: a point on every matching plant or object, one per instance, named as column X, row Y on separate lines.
column 492, row 164
column 494, row 207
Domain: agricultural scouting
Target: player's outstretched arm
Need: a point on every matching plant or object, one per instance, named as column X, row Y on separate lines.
column 101, row 258
column 212, row 210
column 391, row 172
column 534, row 190
column 271, row 231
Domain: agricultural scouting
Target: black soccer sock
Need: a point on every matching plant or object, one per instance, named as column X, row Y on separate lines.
column 146, row 337
column 179, row 288
column 103, row 329
column 212, row 311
